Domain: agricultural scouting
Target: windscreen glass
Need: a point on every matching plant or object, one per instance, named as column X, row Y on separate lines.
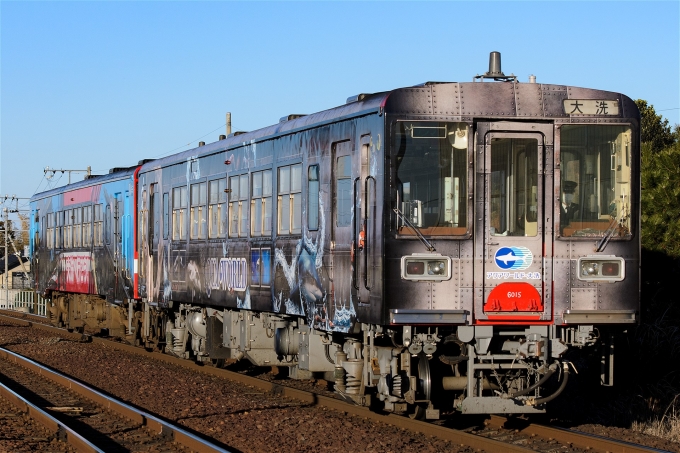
column 431, row 177
column 595, row 169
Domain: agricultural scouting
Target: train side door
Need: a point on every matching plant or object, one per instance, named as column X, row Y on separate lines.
column 516, row 245
column 341, row 224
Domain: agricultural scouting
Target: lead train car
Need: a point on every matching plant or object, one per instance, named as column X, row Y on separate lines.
column 433, row 248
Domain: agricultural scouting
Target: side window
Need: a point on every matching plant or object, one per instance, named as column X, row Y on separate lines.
column 199, row 223
column 238, row 206
column 179, row 204
column 290, row 199
column 166, row 214
column 261, row 204
column 343, row 191
column 313, row 197
column 217, row 200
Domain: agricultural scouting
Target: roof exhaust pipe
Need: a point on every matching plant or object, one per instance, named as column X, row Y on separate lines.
column 495, row 70
column 495, row 65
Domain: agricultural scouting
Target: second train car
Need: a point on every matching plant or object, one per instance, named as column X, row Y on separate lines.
column 437, row 248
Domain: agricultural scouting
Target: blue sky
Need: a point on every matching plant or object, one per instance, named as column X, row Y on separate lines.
column 106, row 84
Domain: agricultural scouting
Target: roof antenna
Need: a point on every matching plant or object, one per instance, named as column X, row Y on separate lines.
column 495, row 70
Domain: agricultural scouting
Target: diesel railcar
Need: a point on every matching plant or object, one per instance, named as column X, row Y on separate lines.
column 437, row 248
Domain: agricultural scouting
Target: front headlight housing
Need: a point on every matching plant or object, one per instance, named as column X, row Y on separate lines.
column 426, row 267
column 601, row 268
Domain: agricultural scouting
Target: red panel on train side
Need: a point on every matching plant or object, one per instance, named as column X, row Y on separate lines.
column 74, row 273
column 514, row 297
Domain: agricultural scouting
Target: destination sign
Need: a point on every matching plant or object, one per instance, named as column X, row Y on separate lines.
column 591, row 107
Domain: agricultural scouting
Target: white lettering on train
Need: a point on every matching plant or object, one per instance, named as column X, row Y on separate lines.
column 227, row 274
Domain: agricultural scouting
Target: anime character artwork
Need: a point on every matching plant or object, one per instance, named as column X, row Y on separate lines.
column 300, row 288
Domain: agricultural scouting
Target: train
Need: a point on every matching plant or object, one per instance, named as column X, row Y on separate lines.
column 433, row 249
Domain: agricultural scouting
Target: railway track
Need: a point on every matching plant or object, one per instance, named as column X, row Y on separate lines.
column 21, row 433
column 86, row 419
column 495, row 434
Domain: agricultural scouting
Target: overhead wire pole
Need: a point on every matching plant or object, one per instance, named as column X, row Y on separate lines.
column 20, row 230
column 6, row 283
column 55, row 170
column 7, row 239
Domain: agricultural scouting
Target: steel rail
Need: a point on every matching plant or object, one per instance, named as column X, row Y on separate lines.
column 312, row 399
column 590, row 442
column 151, row 422
column 577, row 439
column 50, row 423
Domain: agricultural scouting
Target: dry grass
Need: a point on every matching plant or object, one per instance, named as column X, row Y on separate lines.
column 666, row 427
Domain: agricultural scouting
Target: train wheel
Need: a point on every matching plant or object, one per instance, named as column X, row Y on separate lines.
column 423, row 389
column 217, row 363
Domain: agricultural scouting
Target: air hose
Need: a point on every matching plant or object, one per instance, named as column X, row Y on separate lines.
column 539, row 401
column 546, row 376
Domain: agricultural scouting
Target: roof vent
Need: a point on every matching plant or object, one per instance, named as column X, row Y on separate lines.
column 234, row 134
column 117, row 169
column 495, row 70
column 201, row 143
column 290, row 117
column 222, row 137
column 357, row 98
column 145, row 161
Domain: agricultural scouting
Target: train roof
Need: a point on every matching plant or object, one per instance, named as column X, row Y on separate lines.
column 362, row 104
column 445, row 100
column 115, row 174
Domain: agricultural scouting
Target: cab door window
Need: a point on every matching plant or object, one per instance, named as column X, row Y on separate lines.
column 514, row 187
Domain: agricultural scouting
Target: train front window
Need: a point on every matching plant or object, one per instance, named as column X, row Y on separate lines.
column 431, row 177
column 595, row 181
column 513, row 204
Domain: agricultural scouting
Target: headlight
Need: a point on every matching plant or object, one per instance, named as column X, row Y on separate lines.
column 425, row 266
column 601, row 269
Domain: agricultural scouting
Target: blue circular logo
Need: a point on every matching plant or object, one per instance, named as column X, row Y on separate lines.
column 515, row 258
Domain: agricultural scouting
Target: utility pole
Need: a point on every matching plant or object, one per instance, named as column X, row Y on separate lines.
column 16, row 210
column 7, row 240
column 228, row 123
column 54, row 170
column 4, row 210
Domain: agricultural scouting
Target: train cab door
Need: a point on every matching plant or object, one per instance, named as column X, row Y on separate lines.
column 342, row 177
column 154, row 228
column 516, row 244
column 364, row 226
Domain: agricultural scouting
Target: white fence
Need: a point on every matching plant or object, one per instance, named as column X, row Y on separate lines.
column 23, row 300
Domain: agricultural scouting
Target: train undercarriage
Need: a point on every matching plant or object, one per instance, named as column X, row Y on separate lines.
column 423, row 371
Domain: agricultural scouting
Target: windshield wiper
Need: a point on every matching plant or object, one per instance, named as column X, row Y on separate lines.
column 602, row 243
column 611, row 229
column 430, row 247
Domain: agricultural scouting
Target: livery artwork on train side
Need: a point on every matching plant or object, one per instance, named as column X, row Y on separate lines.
column 74, row 272
column 291, row 272
column 299, row 288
